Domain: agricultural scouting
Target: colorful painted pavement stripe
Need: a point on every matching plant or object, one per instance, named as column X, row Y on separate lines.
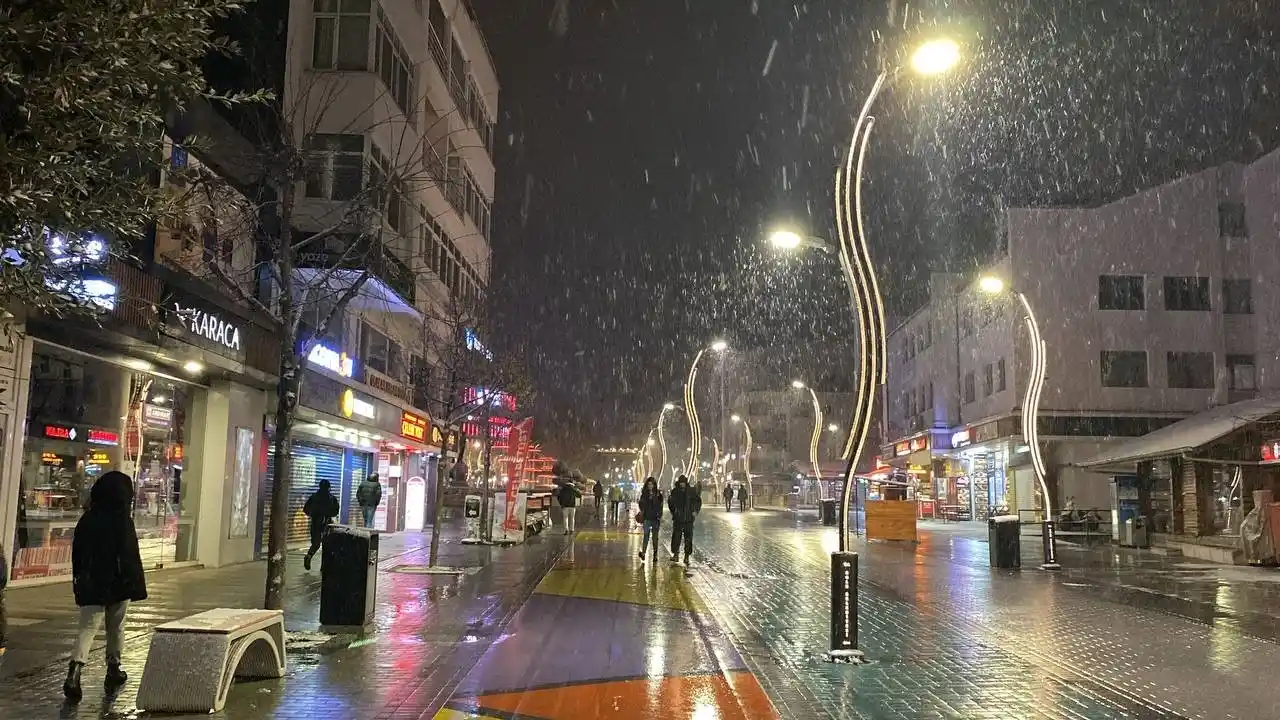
column 608, row 636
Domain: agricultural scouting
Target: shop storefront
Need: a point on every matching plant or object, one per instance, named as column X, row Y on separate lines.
column 973, row 477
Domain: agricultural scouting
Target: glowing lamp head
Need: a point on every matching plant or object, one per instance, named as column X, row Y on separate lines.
column 833, row 427
column 719, row 346
column 736, row 418
column 651, row 442
column 785, row 239
column 935, row 57
column 669, row 406
column 797, row 384
column 991, row 285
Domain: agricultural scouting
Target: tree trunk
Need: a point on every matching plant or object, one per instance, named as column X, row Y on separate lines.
column 487, row 531
column 277, row 534
column 434, row 553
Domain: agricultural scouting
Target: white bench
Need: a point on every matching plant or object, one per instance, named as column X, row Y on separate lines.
column 193, row 661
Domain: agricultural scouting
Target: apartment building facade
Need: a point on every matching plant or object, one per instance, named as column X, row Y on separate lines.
column 1152, row 308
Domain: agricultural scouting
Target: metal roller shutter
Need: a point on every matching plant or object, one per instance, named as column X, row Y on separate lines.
column 312, row 462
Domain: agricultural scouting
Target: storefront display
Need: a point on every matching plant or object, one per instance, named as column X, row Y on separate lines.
column 87, row 416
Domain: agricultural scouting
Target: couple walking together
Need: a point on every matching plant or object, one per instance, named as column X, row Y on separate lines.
column 684, row 503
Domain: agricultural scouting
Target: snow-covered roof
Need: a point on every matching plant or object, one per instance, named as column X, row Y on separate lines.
column 1186, row 435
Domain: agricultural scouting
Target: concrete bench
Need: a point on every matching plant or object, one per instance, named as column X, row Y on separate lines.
column 193, row 661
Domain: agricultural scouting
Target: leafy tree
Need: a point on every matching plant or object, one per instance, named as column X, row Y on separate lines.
column 86, row 87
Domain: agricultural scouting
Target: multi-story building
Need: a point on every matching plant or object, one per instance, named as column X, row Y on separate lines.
column 782, row 423
column 1152, row 308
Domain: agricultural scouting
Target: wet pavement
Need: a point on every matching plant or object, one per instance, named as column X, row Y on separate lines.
column 607, row 635
column 949, row 637
column 428, row 632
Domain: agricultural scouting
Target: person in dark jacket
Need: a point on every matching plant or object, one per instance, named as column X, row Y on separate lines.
column 598, row 491
column 568, row 497
column 106, row 575
column 650, row 514
column 321, row 508
column 728, row 497
column 369, row 494
column 684, row 503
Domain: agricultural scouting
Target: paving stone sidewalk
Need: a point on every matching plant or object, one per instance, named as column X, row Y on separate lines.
column 428, row 632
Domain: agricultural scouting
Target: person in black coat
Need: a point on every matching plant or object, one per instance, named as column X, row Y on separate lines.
column 106, row 575
column 321, row 508
column 685, row 503
column 650, row 514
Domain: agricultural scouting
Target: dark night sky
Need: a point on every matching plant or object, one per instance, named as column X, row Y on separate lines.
column 644, row 150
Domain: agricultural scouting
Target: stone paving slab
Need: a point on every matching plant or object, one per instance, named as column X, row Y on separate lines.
column 950, row 638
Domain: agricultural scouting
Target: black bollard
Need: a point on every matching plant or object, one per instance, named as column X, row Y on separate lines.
column 844, row 608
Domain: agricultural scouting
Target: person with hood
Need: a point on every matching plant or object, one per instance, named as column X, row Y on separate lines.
column 684, row 503
column 650, row 514
column 368, row 495
column 568, row 497
column 321, row 508
column 615, row 502
column 598, row 491
column 728, row 497
column 106, row 575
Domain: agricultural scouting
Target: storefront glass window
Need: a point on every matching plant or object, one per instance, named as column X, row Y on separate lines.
column 86, row 417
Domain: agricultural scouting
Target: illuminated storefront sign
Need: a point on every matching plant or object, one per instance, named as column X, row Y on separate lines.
column 157, row 416
column 901, row 449
column 99, row 457
column 353, row 405
column 50, row 458
column 60, row 432
column 1271, row 452
column 332, row 360
column 103, row 437
column 413, row 426
column 920, row 443
column 496, row 398
column 960, row 439
column 209, row 326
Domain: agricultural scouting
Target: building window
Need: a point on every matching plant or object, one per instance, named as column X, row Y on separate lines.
column 386, row 189
column 988, row 380
column 969, row 393
column 395, row 66
column 380, row 352
column 341, row 37
column 1237, row 296
column 1124, row 368
column 1241, row 372
column 1231, row 220
column 335, row 166
column 1191, row 370
column 1121, row 292
column 1000, row 380
column 1187, row 293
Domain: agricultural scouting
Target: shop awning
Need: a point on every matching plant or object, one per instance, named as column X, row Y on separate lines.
column 1185, row 436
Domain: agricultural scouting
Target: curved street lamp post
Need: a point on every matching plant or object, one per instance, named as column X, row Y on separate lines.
column 817, row 435
column 931, row 58
column 746, row 457
column 1031, row 411
column 691, row 410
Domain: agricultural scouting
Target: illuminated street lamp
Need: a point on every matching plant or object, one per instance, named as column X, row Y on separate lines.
column 786, row 239
column 992, row 285
column 746, row 454
column 817, row 435
column 930, row 58
column 662, row 439
column 695, row 427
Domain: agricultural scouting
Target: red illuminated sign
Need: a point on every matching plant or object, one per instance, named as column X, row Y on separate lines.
column 1271, row 452
column 59, row 432
column 920, row 443
column 413, row 426
column 103, row 437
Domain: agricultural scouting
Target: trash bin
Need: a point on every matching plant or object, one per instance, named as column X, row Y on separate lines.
column 1003, row 536
column 828, row 512
column 1134, row 533
column 348, row 576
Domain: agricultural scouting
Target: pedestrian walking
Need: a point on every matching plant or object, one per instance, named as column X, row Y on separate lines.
column 598, row 491
column 728, row 498
column 369, row 494
column 4, row 580
column 321, row 508
column 568, row 497
column 106, row 575
column 685, row 503
column 743, row 498
column 650, row 514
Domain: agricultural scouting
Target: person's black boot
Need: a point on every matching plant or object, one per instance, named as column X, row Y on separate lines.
column 306, row 562
column 71, row 686
column 116, row 676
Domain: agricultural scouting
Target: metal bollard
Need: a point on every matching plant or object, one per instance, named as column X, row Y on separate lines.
column 844, row 609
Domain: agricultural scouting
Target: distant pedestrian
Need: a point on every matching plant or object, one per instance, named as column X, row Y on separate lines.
column 568, row 497
column 728, row 497
column 743, row 497
column 685, row 503
column 321, row 508
column 369, row 494
column 106, row 575
column 615, row 501
column 650, row 514
column 598, row 491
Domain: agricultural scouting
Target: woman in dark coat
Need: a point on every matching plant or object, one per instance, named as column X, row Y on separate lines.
column 106, row 575
column 650, row 514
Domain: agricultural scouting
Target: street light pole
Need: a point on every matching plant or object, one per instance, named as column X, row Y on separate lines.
column 815, row 438
column 690, row 407
column 746, row 457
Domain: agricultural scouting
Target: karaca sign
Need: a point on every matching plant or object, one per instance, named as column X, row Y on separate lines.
column 209, row 326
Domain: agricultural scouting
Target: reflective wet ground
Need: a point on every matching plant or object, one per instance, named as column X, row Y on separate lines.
column 581, row 628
